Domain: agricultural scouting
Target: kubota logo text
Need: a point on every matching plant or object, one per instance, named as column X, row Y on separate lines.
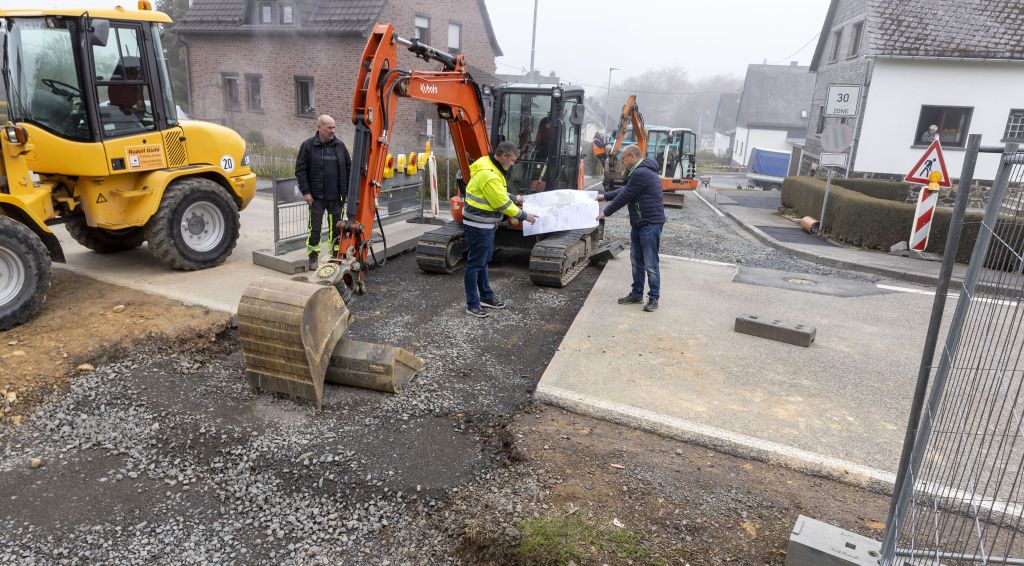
column 428, row 89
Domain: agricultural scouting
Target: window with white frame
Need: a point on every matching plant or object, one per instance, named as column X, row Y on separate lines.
column 454, row 38
column 305, row 96
column 422, row 32
column 266, row 13
column 287, row 14
column 1015, row 126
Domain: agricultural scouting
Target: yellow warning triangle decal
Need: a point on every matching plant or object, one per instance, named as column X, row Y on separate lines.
column 101, row 199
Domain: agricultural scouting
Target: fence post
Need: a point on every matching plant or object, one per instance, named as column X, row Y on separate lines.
column 918, row 430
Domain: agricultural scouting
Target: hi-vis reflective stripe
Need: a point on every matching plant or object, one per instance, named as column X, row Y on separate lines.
column 507, row 204
column 475, row 198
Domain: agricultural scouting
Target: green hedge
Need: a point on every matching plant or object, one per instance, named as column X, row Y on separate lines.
column 859, row 220
column 877, row 188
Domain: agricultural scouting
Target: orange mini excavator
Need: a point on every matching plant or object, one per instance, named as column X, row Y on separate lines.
column 675, row 150
column 291, row 330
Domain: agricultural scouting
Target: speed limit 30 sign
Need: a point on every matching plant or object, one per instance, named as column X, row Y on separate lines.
column 843, row 101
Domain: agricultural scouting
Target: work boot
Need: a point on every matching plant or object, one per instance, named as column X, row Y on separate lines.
column 631, row 299
column 651, row 306
column 313, row 262
column 492, row 303
column 477, row 312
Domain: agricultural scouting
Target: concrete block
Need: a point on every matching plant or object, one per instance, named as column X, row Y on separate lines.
column 774, row 329
column 813, row 543
column 284, row 263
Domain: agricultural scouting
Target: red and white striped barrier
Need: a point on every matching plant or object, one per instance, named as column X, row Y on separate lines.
column 923, row 218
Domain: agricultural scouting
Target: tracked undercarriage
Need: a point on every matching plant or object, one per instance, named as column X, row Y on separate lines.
column 555, row 259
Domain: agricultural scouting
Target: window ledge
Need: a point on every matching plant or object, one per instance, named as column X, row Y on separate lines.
column 1012, row 140
column 944, row 148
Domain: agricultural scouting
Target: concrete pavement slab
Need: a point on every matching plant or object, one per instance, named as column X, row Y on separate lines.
column 218, row 288
column 838, row 407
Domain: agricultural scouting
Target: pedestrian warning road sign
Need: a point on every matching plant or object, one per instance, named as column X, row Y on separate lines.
column 932, row 160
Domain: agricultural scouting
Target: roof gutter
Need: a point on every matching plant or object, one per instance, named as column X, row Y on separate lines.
column 951, row 59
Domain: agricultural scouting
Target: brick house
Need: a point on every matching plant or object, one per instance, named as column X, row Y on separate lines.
column 773, row 112
column 267, row 68
column 955, row 64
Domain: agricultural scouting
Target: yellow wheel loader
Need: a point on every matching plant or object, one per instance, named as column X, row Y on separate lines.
column 91, row 138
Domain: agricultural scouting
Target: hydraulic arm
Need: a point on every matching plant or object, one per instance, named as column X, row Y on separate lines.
column 379, row 85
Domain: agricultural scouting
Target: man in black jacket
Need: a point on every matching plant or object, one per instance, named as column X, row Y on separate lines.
column 643, row 195
column 321, row 170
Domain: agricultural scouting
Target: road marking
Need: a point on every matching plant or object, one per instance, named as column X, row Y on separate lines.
column 695, row 260
column 950, row 295
column 705, row 201
column 594, row 185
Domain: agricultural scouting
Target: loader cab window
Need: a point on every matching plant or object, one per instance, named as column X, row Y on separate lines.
column 525, row 121
column 568, row 159
column 122, row 85
column 41, row 75
column 682, row 162
column 657, row 142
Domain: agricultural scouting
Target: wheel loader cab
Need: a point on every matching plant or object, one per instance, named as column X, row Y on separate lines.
column 544, row 122
column 91, row 80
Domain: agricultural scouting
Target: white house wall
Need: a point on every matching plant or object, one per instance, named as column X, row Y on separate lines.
column 721, row 146
column 747, row 139
column 899, row 89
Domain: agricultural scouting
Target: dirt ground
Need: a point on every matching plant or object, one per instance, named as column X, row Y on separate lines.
column 83, row 322
column 163, row 454
column 611, row 495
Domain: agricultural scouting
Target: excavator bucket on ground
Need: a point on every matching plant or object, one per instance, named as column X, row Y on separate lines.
column 288, row 330
column 372, row 366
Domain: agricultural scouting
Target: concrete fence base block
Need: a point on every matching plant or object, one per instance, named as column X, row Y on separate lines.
column 813, row 543
column 290, row 263
column 774, row 329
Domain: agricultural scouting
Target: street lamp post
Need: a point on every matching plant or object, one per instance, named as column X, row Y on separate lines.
column 607, row 95
column 533, row 42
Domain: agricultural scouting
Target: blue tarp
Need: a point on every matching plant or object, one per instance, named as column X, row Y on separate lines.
column 769, row 162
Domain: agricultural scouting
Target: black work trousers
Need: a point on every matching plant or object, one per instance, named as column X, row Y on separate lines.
column 316, row 218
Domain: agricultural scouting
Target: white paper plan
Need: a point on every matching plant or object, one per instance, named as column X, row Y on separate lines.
column 564, row 209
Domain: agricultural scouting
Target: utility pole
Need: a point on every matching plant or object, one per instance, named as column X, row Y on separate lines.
column 607, row 95
column 533, row 43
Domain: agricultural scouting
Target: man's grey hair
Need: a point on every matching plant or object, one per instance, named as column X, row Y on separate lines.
column 506, row 148
column 633, row 150
column 323, row 118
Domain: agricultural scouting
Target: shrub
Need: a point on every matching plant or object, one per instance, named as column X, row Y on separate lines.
column 856, row 219
column 877, row 188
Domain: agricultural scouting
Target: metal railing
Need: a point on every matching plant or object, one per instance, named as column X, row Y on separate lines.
column 958, row 496
column 399, row 200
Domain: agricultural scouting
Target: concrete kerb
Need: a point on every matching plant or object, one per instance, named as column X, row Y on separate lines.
column 712, row 438
column 911, row 276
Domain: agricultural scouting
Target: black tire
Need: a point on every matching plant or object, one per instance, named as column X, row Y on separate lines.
column 25, row 273
column 105, row 241
column 191, row 247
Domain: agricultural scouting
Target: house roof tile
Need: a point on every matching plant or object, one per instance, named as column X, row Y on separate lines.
column 776, row 96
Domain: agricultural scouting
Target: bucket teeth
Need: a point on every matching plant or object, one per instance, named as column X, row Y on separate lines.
column 372, row 366
column 288, row 330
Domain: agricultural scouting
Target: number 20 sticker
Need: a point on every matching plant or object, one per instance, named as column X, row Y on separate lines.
column 227, row 163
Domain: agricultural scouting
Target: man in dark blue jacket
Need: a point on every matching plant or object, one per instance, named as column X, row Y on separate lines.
column 642, row 195
column 321, row 171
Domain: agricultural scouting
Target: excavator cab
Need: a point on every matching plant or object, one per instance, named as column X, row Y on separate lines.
column 545, row 123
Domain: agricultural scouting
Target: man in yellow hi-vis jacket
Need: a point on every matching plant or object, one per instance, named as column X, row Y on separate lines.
column 487, row 203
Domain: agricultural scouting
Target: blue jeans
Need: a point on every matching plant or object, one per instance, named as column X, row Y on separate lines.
column 643, row 255
column 480, row 248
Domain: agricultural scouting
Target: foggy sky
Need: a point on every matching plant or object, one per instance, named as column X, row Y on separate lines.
column 581, row 39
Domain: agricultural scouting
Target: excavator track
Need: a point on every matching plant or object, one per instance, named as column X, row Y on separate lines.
column 558, row 259
column 441, row 250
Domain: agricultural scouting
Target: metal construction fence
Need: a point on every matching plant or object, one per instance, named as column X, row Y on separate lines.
column 399, row 200
column 958, row 497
